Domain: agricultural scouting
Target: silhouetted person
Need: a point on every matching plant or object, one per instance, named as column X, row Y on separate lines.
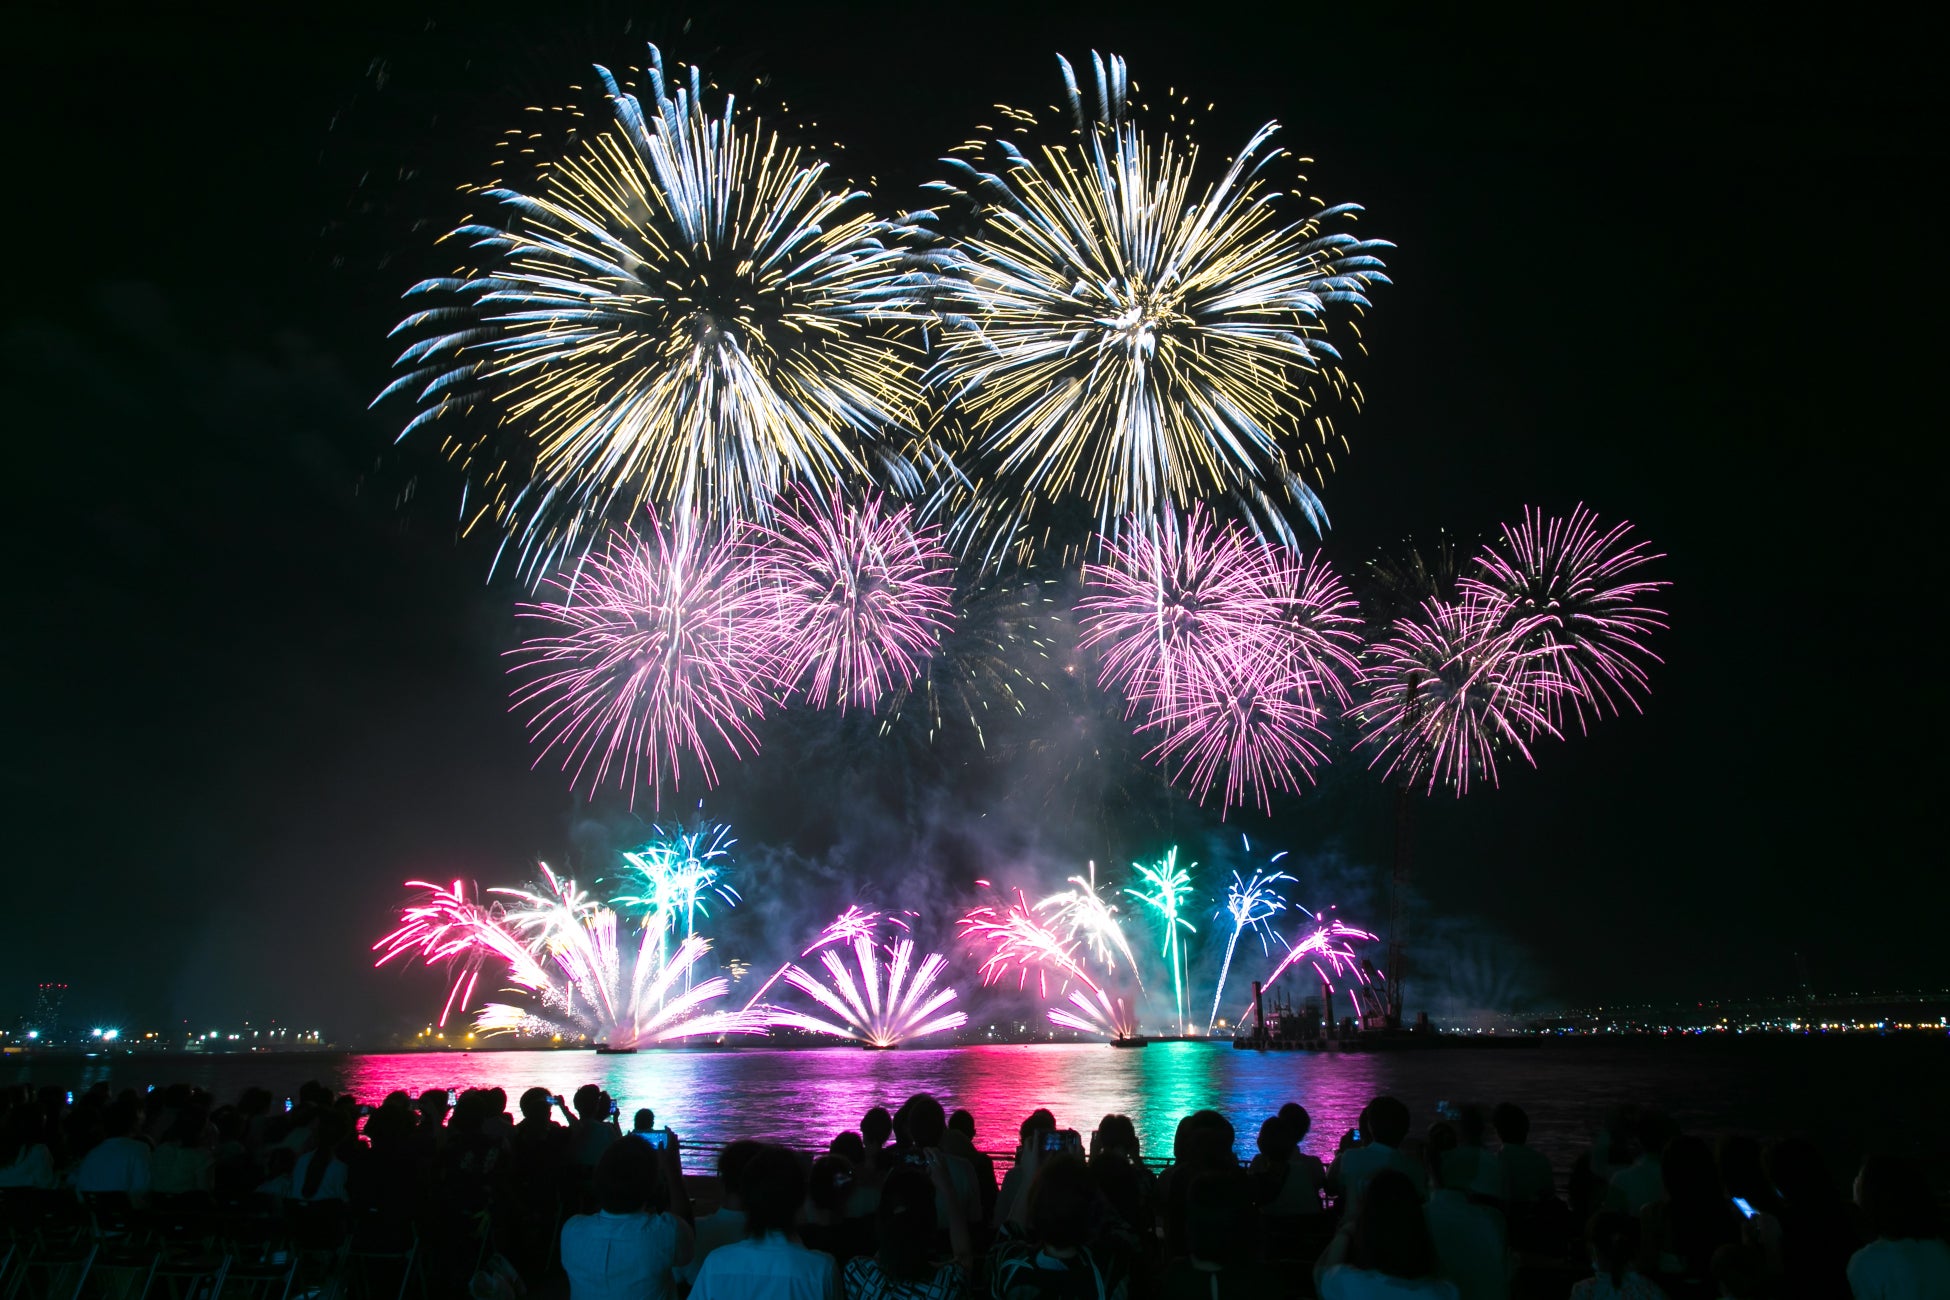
column 1820, row 1228
column 1222, row 1257
column 1047, row 1249
column 1469, row 1238
column 1015, row 1183
column 960, row 1142
column 1386, row 1126
column 1694, row 1218
column 727, row 1223
column 768, row 1264
column 1612, row 1237
column 25, row 1158
column 628, row 1249
column 1523, row 1175
column 1383, row 1250
column 120, row 1161
column 824, row 1225
column 1908, row 1259
column 902, row 1266
column 1641, row 1182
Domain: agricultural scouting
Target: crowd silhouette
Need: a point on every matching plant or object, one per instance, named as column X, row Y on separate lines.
column 118, row 1195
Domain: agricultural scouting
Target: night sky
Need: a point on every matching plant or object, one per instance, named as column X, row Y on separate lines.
column 1682, row 270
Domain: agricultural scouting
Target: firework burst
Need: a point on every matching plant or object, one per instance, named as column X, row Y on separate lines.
column 572, row 960
column 685, row 313
column 1014, row 940
column 1449, row 687
column 891, row 1001
column 1168, row 885
column 1087, row 917
column 1251, row 906
column 1121, row 336
column 654, row 654
column 857, row 597
column 1327, row 944
column 1578, row 595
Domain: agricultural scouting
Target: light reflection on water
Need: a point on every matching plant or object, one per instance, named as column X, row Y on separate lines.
column 1842, row 1094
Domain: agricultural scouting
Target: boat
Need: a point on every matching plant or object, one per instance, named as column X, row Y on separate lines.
column 604, row 1049
column 1133, row 1040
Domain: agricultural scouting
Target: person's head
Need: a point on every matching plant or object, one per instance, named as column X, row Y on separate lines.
column 1390, row 1233
column 1220, row 1225
column 1897, row 1199
column 829, row 1183
column 254, row 1102
column 328, row 1134
column 1740, row 1271
column 592, row 1103
column 1741, row 1171
column 313, row 1093
column 1206, row 1141
column 876, row 1126
column 771, row 1187
column 389, row 1128
column 188, row 1129
column 1298, row 1120
column 1119, row 1186
column 1613, row 1238
column 535, row 1105
column 731, row 1168
column 904, row 1224
column 1442, row 1140
column 1117, row 1135
column 644, row 1120
column 124, row 1116
column 626, row 1178
column 1655, row 1132
column 433, row 1107
column 1062, row 1203
column 1512, row 1124
column 926, row 1120
column 1386, row 1122
column 1039, row 1121
column 850, row 1147
column 1276, row 1141
column 1686, row 1169
column 963, row 1123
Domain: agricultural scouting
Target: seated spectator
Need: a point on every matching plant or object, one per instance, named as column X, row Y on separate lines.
column 1202, row 1145
column 628, row 1249
column 184, row 1163
column 876, row 1127
column 25, row 1159
column 960, row 1143
column 927, row 1130
column 727, row 1223
column 1739, row 1272
column 1016, row 1181
column 120, row 1161
column 1383, row 1248
column 643, row 1123
column 1287, row 1183
column 1048, row 1247
column 278, row 1164
column 768, row 1264
column 1384, row 1127
column 1908, row 1259
column 1469, row 1162
column 1523, row 1177
column 825, row 1225
column 1613, row 1239
column 594, row 1126
column 1222, row 1258
column 1694, row 1218
column 1116, row 1142
column 1470, row 1246
column 902, row 1266
column 320, row 1174
column 1819, row 1228
column 1641, row 1183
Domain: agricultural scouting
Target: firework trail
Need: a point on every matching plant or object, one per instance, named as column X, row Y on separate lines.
column 1122, row 337
column 651, row 655
column 684, row 314
column 1448, row 687
column 857, row 597
column 1087, row 917
column 1169, row 886
column 1250, row 905
column 572, row 961
column 853, row 924
column 1326, row 945
column 1258, row 731
column 1576, row 595
column 892, row 1001
column 1015, row 940
column 677, row 873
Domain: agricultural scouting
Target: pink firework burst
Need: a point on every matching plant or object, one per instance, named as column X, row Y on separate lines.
column 1320, row 627
column 1450, row 686
column 1579, row 595
column 654, row 653
column 857, row 597
column 1250, row 723
column 1171, row 604
column 1013, row 940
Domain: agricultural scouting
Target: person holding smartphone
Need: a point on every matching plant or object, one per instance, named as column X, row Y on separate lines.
column 629, row 1248
column 903, row 1265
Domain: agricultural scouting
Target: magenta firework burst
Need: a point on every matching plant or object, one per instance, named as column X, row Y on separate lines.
column 652, row 654
column 1581, row 595
column 1247, row 727
column 857, row 596
column 885, row 999
column 1013, row 940
column 1449, row 687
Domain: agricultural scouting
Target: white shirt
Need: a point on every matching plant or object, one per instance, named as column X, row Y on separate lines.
column 774, row 1268
column 1637, row 1185
column 1300, row 1190
column 1345, row 1282
column 719, row 1228
column 331, row 1183
column 1356, row 1165
column 1468, row 1245
column 117, row 1164
column 1914, row 1268
column 1523, row 1175
column 34, row 1167
column 622, row 1256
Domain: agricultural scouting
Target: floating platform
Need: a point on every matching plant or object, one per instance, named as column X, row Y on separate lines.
column 604, row 1049
column 1136, row 1040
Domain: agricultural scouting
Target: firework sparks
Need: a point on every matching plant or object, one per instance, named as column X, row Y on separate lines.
column 892, row 1001
column 571, row 960
column 677, row 873
column 1169, row 885
column 1088, row 917
column 1016, row 941
column 858, row 597
column 1121, row 337
column 685, row 314
column 653, row 656
column 1448, row 687
column 1327, row 946
column 1577, row 595
column 1251, row 906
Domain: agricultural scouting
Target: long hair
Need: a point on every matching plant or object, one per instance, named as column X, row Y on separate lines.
column 1390, row 1234
column 904, row 1225
column 332, row 1130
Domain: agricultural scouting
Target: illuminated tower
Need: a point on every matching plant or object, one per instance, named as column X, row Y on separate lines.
column 47, row 1011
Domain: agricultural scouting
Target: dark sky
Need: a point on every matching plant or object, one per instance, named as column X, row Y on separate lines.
column 1681, row 268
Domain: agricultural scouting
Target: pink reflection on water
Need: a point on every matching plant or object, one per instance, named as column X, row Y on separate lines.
column 805, row 1097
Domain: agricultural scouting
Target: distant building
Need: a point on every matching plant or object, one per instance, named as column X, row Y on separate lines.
column 46, row 1021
